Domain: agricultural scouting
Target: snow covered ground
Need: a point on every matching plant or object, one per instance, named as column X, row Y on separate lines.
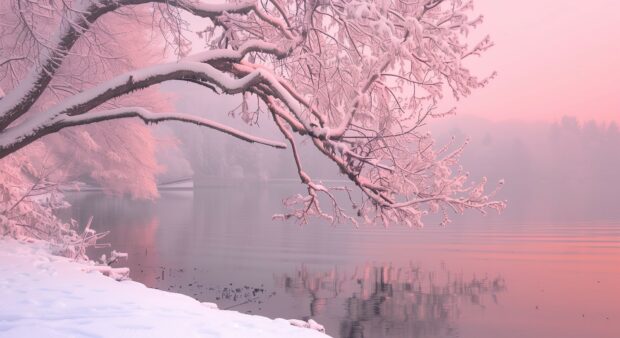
column 42, row 295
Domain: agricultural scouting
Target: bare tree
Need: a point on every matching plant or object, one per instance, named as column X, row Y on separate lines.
column 359, row 79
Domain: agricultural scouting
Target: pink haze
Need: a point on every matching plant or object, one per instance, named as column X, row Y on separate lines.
column 553, row 58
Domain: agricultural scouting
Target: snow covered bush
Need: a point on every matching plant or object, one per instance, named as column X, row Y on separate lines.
column 29, row 199
column 357, row 79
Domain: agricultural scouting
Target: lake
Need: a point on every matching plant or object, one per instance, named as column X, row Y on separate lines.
column 527, row 273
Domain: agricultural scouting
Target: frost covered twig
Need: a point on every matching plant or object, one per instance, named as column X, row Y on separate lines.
column 30, row 199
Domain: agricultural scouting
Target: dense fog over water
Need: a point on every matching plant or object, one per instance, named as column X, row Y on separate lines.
column 548, row 266
column 554, row 171
column 566, row 169
column 477, row 277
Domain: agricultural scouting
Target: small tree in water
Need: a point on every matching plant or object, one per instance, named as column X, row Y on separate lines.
column 358, row 79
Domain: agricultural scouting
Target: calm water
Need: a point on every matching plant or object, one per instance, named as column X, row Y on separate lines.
column 526, row 274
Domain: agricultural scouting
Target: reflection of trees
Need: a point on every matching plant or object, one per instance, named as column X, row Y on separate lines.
column 386, row 301
column 133, row 227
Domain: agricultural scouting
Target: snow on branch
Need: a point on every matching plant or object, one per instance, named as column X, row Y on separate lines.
column 76, row 18
column 359, row 78
column 32, row 128
column 150, row 117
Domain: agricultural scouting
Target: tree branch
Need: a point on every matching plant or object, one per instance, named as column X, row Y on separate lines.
column 150, row 117
column 64, row 121
column 78, row 20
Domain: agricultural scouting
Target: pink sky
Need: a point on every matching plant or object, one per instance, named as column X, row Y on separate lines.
column 554, row 58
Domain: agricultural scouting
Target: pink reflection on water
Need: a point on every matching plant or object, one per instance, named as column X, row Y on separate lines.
column 558, row 279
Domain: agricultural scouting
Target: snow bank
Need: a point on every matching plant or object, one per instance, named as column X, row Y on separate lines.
column 42, row 295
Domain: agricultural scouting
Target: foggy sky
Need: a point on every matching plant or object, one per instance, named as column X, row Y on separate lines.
column 553, row 58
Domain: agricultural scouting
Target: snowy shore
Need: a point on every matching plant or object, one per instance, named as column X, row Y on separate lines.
column 42, row 295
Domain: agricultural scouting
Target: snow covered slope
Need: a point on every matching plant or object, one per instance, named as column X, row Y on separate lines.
column 42, row 295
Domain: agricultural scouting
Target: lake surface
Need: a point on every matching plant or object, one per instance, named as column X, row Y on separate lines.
column 527, row 273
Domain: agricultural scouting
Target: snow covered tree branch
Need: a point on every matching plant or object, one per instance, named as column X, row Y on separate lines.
column 358, row 78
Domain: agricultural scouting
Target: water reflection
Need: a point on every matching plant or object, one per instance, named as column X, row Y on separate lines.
column 220, row 245
column 389, row 301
